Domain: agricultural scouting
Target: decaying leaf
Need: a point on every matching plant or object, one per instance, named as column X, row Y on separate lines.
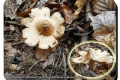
column 9, row 76
column 100, row 33
column 81, row 68
column 79, row 4
column 42, row 54
column 26, row 11
column 108, row 77
column 100, row 56
column 9, row 50
column 84, row 57
column 10, row 8
column 104, row 19
column 98, row 67
column 12, row 27
column 18, row 2
column 67, row 12
column 94, row 2
column 110, row 39
column 104, row 5
column 48, row 61
column 90, row 73
column 13, row 66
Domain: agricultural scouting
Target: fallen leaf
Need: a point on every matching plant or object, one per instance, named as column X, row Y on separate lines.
column 104, row 19
column 98, row 67
column 94, row 2
column 13, row 66
column 67, row 12
column 27, row 11
column 110, row 39
column 9, row 76
column 79, row 4
column 10, row 9
column 42, row 54
column 18, row 2
column 9, row 50
column 90, row 73
column 53, row 5
column 81, row 68
column 48, row 61
column 104, row 5
column 108, row 77
column 100, row 33
column 12, row 27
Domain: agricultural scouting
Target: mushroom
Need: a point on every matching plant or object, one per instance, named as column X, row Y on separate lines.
column 43, row 29
column 100, row 56
column 83, row 58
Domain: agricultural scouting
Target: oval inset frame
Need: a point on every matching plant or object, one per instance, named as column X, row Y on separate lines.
column 84, row 77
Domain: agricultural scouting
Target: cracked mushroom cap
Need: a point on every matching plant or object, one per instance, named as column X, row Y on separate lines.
column 42, row 28
column 100, row 56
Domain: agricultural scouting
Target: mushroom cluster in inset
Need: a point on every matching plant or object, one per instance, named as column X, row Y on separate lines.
column 94, row 54
column 97, row 57
column 42, row 29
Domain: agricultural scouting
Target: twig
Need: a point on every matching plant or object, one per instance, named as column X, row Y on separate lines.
column 82, row 34
column 13, row 22
column 17, row 43
column 64, row 65
column 57, row 61
column 34, row 64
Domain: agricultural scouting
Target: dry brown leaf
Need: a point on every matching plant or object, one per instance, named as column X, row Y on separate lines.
column 104, row 5
column 81, row 68
column 10, row 8
column 42, row 54
column 110, row 40
column 107, row 18
column 100, row 33
column 108, row 77
column 13, row 66
column 48, row 61
column 94, row 1
column 67, row 12
column 79, row 4
column 98, row 67
column 27, row 11
column 9, row 50
column 12, row 27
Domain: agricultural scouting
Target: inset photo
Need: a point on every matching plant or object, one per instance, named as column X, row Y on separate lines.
column 91, row 60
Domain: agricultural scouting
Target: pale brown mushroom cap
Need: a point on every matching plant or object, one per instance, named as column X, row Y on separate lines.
column 101, row 56
column 83, row 58
column 43, row 29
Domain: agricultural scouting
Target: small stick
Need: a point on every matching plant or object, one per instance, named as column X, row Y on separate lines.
column 34, row 64
column 64, row 65
column 83, row 34
column 17, row 43
column 13, row 22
